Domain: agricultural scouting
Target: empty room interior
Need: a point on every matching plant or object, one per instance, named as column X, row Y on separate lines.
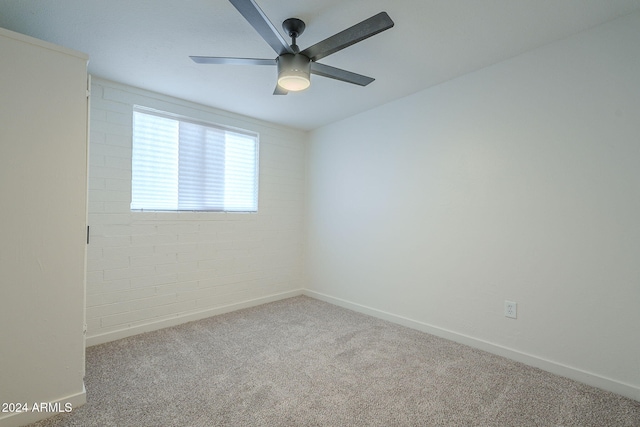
column 377, row 213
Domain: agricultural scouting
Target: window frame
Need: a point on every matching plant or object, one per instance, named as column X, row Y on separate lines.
column 206, row 124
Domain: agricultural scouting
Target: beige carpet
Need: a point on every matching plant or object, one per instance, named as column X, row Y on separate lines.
column 303, row 362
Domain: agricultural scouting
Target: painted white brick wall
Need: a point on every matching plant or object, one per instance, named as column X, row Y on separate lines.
column 147, row 270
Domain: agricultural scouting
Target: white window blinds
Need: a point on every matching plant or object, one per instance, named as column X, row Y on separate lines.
column 180, row 164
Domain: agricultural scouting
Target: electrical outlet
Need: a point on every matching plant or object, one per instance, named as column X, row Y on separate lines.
column 511, row 309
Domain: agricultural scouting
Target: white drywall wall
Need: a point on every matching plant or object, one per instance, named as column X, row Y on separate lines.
column 517, row 182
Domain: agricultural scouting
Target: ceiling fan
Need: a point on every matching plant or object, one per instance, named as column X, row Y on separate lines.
column 295, row 66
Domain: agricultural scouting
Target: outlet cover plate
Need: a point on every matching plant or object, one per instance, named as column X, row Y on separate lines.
column 511, row 309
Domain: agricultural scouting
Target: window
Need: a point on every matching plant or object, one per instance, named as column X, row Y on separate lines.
column 179, row 164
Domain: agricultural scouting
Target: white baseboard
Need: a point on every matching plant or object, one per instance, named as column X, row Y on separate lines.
column 579, row 375
column 576, row 374
column 71, row 402
column 189, row 317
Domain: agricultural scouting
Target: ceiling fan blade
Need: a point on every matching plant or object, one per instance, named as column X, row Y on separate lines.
column 340, row 74
column 259, row 21
column 232, row 61
column 280, row 91
column 365, row 29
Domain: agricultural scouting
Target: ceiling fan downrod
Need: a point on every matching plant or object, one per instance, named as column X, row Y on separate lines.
column 294, row 27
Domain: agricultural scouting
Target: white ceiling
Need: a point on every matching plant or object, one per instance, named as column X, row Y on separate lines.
column 147, row 43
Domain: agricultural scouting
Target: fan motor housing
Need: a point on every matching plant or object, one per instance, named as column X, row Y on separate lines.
column 294, row 71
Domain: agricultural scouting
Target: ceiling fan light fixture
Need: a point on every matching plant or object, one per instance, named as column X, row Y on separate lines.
column 294, row 72
column 294, row 83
